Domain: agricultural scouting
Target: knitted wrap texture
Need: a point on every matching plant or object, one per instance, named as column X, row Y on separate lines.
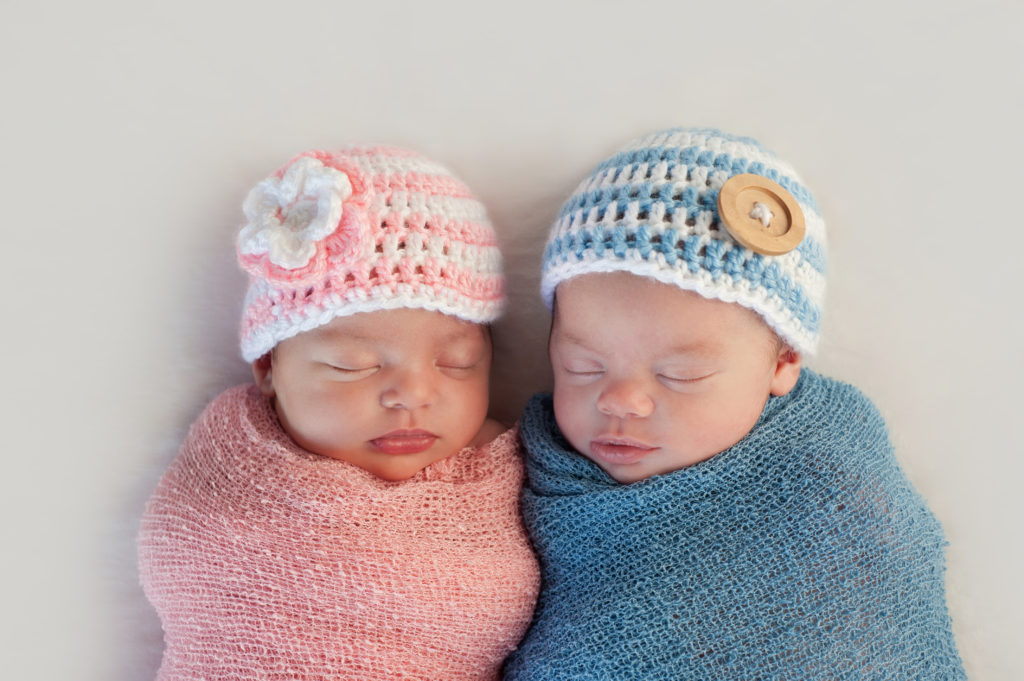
column 651, row 209
column 802, row 552
column 267, row 562
column 334, row 233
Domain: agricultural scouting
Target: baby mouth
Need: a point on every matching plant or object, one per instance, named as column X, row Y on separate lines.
column 617, row 450
column 405, row 442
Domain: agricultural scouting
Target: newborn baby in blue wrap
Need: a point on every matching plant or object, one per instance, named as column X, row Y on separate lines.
column 703, row 506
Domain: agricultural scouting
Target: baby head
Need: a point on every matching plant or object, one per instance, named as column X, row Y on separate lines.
column 686, row 278
column 373, row 275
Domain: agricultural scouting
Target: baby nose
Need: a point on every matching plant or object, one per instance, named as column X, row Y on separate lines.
column 409, row 389
column 625, row 399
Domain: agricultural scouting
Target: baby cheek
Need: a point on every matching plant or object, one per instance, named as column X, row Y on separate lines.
column 725, row 427
column 461, row 390
column 572, row 407
column 327, row 409
column 473, row 396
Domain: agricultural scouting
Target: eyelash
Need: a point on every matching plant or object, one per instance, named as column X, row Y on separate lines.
column 592, row 372
column 349, row 372
column 672, row 379
column 455, row 367
column 369, row 371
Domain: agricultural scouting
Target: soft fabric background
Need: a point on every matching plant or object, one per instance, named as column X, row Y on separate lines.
column 131, row 132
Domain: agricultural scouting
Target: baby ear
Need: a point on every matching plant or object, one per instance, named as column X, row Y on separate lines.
column 262, row 373
column 787, row 371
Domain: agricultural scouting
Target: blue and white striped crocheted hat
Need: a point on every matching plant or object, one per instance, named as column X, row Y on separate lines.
column 653, row 209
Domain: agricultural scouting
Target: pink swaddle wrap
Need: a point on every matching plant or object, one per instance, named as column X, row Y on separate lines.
column 267, row 562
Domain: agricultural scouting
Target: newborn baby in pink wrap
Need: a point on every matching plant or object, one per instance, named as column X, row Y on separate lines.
column 354, row 514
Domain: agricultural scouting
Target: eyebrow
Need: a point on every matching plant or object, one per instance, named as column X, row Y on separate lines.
column 466, row 332
column 570, row 338
column 326, row 332
column 695, row 348
column 363, row 337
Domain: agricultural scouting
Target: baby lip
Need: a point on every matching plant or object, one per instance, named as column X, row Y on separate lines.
column 404, row 441
column 622, row 442
column 409, row 432
column 619, row 450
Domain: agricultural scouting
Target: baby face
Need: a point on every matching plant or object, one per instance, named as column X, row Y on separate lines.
column 650, row 378
column 390, row 391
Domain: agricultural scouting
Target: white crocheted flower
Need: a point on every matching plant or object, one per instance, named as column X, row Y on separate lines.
column 289, row 215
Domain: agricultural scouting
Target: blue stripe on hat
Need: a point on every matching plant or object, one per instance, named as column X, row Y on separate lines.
column 637, row 190
column 810, row 250
column 715, row 257
column 645, row 195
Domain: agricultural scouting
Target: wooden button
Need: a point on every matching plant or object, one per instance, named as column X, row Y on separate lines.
column 760, row 214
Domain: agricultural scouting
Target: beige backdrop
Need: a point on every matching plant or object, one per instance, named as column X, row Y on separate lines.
column 132, row 130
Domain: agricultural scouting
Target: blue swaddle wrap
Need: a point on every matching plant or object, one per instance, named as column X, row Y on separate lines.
column 802, row 552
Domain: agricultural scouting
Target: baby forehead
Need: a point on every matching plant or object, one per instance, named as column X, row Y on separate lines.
column 409, row 325
column 600, row 306
column 628, row 294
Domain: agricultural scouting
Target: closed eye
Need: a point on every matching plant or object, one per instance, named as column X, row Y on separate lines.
column 456, row 366
column 577, row 364
column 458, row 361
column 583, row 370
column 351, row 373
column 682, row 380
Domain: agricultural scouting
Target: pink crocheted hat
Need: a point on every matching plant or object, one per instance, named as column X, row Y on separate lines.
column 333, row 233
